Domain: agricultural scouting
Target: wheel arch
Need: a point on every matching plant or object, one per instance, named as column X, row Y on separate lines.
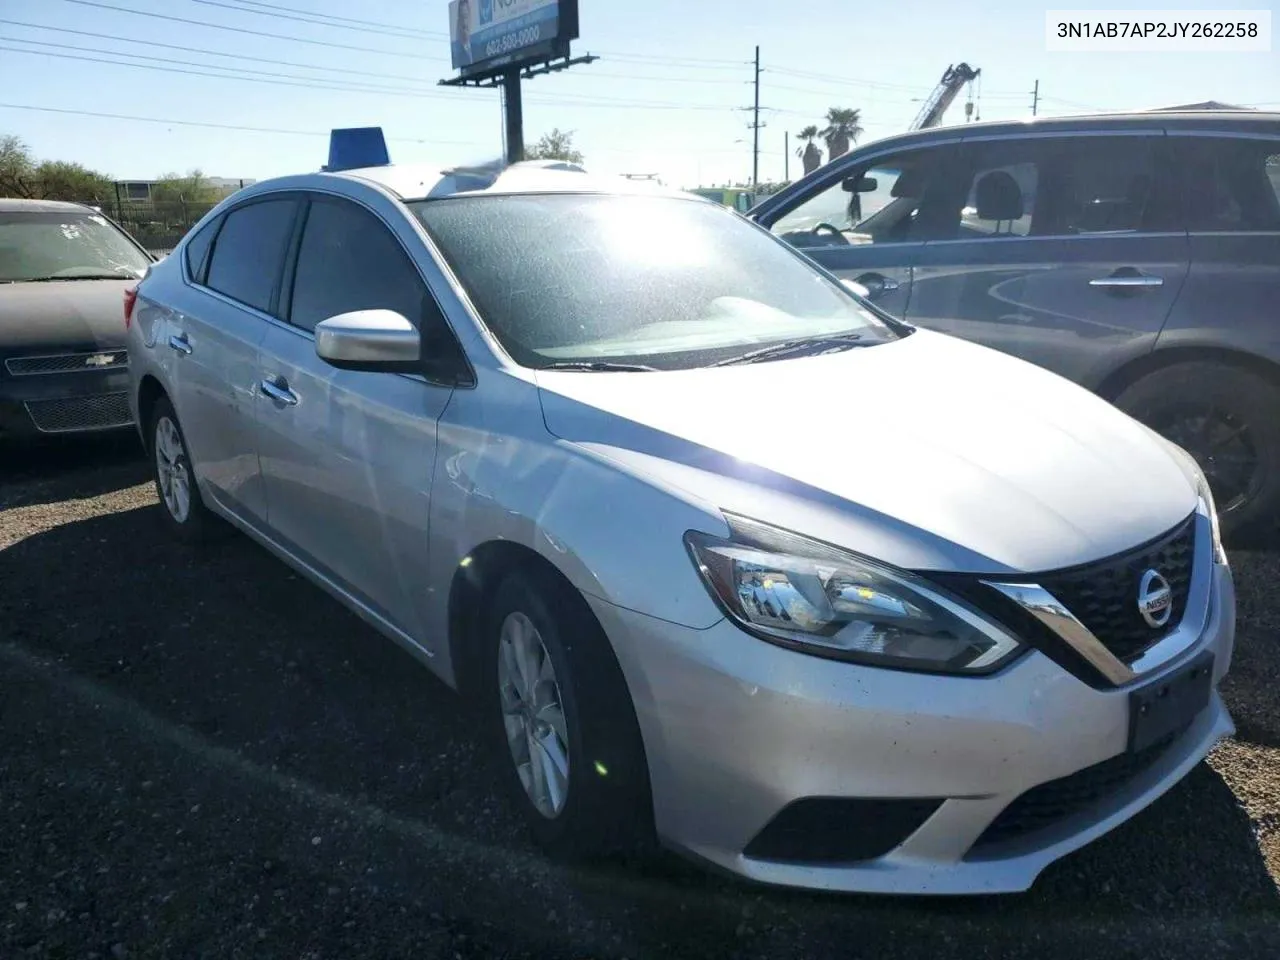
column 1116, row 382
column 475, row 580
column 150, row 391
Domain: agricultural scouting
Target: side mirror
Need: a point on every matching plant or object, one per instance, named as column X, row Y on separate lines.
column 857, row 289
column 375, row 341
column 860, row 184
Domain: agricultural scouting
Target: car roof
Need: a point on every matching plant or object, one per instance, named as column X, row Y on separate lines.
column 15, row 205
column 1242, row 120
column 425, row 181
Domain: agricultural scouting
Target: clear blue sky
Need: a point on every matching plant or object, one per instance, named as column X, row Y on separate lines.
column 665, row 98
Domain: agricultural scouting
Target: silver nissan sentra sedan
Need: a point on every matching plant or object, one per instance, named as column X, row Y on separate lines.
column 725, row 553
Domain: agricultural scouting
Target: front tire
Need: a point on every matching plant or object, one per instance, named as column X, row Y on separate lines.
column 181, row 507
column 561, row 720
column 1227, row 418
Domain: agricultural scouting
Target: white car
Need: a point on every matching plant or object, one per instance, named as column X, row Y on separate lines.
column 728, row 554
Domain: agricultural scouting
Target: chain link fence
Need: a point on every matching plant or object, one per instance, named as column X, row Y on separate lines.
column 156, row 224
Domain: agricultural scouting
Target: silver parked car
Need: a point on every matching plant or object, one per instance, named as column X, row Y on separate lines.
column 725, row 552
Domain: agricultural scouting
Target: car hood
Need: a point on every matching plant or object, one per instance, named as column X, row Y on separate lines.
column 62, row 314
column 927, row 452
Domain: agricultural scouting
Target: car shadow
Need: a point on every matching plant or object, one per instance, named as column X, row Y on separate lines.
column 227, row 642
column 63, row 469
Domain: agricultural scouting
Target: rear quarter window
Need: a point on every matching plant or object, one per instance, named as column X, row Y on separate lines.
column 198, row 247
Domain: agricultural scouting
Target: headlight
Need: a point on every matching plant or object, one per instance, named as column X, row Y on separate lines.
column 1205, row 494
column 816, row 598
column 1202, row 487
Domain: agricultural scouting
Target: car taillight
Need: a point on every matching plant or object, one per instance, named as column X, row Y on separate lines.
column 130, row 298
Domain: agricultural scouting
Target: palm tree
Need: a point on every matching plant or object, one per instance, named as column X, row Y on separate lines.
column 842, row 129
column 809, row 153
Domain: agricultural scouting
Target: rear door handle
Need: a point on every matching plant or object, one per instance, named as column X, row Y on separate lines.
column 180, row 343
column 1127, row 280
column 278, row 390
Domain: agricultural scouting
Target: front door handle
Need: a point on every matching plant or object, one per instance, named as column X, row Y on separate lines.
column 1127, row 279
column 876, row 284
column 278, row 390
column 180, row 343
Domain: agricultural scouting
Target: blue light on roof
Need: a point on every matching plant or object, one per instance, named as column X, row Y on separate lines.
column 355, row 147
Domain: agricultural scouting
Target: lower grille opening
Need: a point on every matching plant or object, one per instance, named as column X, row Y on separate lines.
column 1043, row 806
column 80, row 413
column 838, row 830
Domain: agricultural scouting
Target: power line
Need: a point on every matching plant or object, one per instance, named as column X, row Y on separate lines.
column 334, row 16
column 276, row 61
column 313, row 83
column 254, row 33
column 357, row 25
column 216, row 126
column 845, row 81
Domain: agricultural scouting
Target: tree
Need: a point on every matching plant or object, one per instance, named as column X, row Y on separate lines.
column 809, row 154
column 17, row 168
column 194, row 187
column 843, row 128
column 62, row 180
column 556, row 145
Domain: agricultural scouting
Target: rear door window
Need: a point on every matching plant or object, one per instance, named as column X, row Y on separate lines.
column 248, row 255
column 1230, row 185
column 197, row 250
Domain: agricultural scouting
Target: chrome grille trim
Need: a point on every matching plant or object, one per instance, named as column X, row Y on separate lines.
column 1051, row 612
column 55, row 363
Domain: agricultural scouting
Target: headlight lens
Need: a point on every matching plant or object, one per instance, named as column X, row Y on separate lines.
column 1205, row 494
column 801, row 593
column 1202, row 487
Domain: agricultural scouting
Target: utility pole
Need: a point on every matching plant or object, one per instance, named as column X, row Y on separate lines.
column 755, row 129
column 786, row 157
column 1035, row 99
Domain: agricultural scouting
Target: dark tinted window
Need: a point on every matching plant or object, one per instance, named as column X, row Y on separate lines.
column 197, row 249
column 1230, row 185
column 1065, row 187
column 249, row 252
column 350, row 260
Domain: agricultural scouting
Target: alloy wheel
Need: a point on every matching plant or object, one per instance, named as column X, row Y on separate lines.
column 1223, row 446
column 172, row 470
column 533, row 715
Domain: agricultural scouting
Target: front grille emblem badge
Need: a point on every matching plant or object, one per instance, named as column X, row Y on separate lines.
column 1155, row 599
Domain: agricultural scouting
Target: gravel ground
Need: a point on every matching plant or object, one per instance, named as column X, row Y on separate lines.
column 203, row 755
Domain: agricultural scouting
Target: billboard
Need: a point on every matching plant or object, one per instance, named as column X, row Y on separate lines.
column 488, row 35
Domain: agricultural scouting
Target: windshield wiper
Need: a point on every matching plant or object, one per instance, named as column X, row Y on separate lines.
column 83, row 276
column 789, row 347
column 597, row 366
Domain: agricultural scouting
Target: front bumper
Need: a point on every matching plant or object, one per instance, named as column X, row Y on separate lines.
column 63, row 403
column 736, row 729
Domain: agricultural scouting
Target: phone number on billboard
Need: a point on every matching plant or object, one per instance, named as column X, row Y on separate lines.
column 513, row 41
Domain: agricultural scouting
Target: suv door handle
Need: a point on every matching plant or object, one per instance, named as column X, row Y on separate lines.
column 1127, row 279
column 277, row 389
column 180, row 343
column 876, row 284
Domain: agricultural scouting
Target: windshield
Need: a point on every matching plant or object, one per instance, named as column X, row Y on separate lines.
column 659, row 281
column 65, row 245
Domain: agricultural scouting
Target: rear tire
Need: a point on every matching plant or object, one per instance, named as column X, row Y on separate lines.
column 181, row 507
column 1227, row 418
column 580, row 719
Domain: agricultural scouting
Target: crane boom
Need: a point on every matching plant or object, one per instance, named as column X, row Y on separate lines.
column 955, row 77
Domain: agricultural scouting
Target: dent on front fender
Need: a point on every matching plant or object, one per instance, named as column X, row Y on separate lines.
column 614, row 535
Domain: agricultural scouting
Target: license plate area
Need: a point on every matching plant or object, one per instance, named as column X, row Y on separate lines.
column 1170, row 704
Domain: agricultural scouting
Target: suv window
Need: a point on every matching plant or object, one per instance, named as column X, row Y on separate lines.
column 1064, row 187
column 249, row 252
column 197, row 249
column 350, row 260
column 1231, row 184
column 878, row 202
